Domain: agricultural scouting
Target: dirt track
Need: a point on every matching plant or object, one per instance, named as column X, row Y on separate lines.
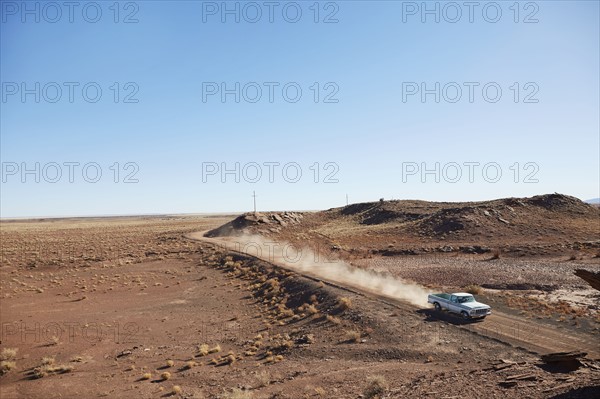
column 519, row 332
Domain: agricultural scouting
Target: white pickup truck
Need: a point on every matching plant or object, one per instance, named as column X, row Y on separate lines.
column 461, row 303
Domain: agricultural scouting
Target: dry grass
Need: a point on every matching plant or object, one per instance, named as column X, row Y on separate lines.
column 215, row 349
column 6, row 366
column 47, row 360
column 49, row 369
column 170, row 363
column 352, row 336
column 344, row 304
column 176, row 390
column 165, row 376
column 312, row 309
column 377, row 387
column 190, row 364
column 203, row 350
column 473, row 289
column 8, row 353
column 146, row 376
column 263, row 378
column 237, row 394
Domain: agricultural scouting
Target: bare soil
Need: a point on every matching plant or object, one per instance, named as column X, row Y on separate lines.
column 113, row 299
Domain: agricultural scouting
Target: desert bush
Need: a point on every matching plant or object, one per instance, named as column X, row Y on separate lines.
column 165, row 376
column 352, row 336
column 216, row 349
column 237, row 393
column 377, row 387
column 8, row 353
column 473, row 289
column 190, row 364
column 47, row 360
column 263, row 378
column 203, row 350
column 146, row 376
column 170, row 363
column 176, row 390
column 6, row 366
column 344, row 304
column 312, row 309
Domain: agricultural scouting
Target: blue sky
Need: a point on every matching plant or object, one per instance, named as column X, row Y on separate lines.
column 369, row 139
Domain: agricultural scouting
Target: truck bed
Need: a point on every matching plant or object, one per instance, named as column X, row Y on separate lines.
column 443, row 296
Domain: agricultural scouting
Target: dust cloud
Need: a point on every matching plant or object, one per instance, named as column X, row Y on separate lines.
column 310, row 262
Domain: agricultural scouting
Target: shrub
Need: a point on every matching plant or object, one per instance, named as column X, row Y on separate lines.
column 6, row 366
column 203, row 350
column 8, row 353
column 473, row 289
column 352, row 336
column 146, row 376
column 496, row 254
column 237, row 394
column 377, row 386
column 344, row 304
column 165, row 376
column 47, row 360
column 190, row 364
column 263, row 378
column 311, row 309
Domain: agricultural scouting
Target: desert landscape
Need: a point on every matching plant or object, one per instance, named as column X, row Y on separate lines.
column 327, row 304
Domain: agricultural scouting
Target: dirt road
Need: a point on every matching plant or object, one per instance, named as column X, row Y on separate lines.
column 517, row 331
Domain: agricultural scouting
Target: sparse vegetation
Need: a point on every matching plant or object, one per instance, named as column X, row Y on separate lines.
column 165, row 376
column 146, row 376
column 344, row 304
column 237, row 393
column 263, row 378
column 47, row 360
column 352, row 336
column 190, row 364
column 496, row 254
column 473, row 289
column 203, row 350
column 6, row 366
column 48, row 369
column 376, row 388
column 176, row 390
column 8, row 353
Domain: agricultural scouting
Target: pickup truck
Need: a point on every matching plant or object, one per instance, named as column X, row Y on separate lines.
column 460, row 303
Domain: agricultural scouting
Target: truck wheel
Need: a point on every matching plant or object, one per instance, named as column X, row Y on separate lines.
column 437, row 306
column 464, row 315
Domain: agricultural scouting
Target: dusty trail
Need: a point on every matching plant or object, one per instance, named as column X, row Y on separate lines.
column 520, row 332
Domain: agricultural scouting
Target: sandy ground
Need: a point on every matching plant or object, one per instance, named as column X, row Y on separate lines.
column 104, row 302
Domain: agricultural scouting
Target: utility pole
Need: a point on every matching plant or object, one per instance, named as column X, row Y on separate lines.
column 254, row 195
